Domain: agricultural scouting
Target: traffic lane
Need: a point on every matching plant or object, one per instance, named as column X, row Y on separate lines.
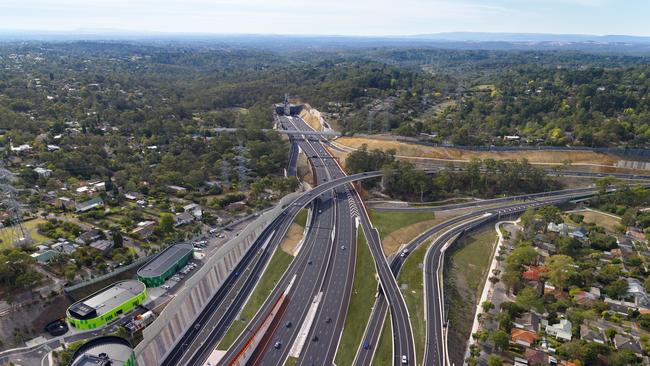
column 224, row 292
column 402, row 335
column 298, row 265
column 322, row 340
column 305, row 288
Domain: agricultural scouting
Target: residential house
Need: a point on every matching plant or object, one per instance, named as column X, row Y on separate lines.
column 535, row 357
column 90, row 204
column 64, row 203
column 591, row 334
column 578, row 233
column 636, row 290
column 133, row 196
column 529, row 321
column 195, row 209
column 561, row 330
column 620, row 307
column 177, row 189
column 88, row 236
column 65, row 247
column 103, row 246
column 20, row 148
column 561, row 228
column 183, row 218
column 622, row 342
column 42, row 172
column 534, row 273
column 45, row 256
column 523, row 337
column 144, row 229
column 585, row 298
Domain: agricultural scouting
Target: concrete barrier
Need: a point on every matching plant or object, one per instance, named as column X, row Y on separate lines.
column 161, row 336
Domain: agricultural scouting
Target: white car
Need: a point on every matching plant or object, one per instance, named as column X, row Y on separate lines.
column 404, row 360
column 165, row 287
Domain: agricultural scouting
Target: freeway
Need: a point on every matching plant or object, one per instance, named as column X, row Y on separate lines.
column 274, row 233
column 323, row 276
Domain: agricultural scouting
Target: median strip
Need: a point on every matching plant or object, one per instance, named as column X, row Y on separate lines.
column 361, row 302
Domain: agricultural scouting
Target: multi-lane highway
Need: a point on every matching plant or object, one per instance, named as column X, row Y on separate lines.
column 324, row 269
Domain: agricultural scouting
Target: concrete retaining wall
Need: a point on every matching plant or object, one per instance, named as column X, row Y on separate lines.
column 163, row 334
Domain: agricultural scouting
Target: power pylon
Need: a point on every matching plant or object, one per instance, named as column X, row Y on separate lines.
column 17, row 232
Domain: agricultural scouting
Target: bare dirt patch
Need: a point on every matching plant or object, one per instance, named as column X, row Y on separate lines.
column 608, row 221
column 291, row 240
column 311, row 116
column 419, row 151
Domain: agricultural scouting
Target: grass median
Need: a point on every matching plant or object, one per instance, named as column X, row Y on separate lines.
column 277, row 266
column 411, row 274
column 384, row 352
column 361, row 301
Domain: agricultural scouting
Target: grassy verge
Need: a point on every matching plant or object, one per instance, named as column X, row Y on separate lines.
column 274, row 271
column 301, row 218
column 411, row 273
column 31, row 226
column 361, row 301
column 291, row 361
column 384, row 352
column 388, row 221
column 465, row 271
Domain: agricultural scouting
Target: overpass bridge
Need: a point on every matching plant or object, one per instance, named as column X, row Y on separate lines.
column 330, row 133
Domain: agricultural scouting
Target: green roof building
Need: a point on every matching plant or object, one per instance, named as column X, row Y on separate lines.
column 163, row 266
column 107, row 304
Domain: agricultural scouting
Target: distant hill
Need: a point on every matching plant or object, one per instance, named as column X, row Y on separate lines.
column 530, row 37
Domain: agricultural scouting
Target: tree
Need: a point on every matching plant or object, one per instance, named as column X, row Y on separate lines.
column 550, row 214
column 529, row 300
column 166, row 223
column 617, row 289
column 118, row 240
column 487, row 306
column 561, row 270
column 610, row 333
column 501, row 340
column 494, row 360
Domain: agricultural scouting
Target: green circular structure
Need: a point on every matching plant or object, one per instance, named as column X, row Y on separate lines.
column 107, row 304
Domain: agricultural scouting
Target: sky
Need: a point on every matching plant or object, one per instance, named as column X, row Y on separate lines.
column 330, row 17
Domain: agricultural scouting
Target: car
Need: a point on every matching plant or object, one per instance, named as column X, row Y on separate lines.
column 277, row 345
column 287, row 324
column 320, row 211
column 176, row 278
column 309, row 262
column 366, row 345
column 342, row 247
column 404, row 253
column 405, row 360
column 328, row 320
column 315, row 339
column 165, row 287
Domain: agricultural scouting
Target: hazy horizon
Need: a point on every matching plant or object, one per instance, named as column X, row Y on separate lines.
column 374, row 18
